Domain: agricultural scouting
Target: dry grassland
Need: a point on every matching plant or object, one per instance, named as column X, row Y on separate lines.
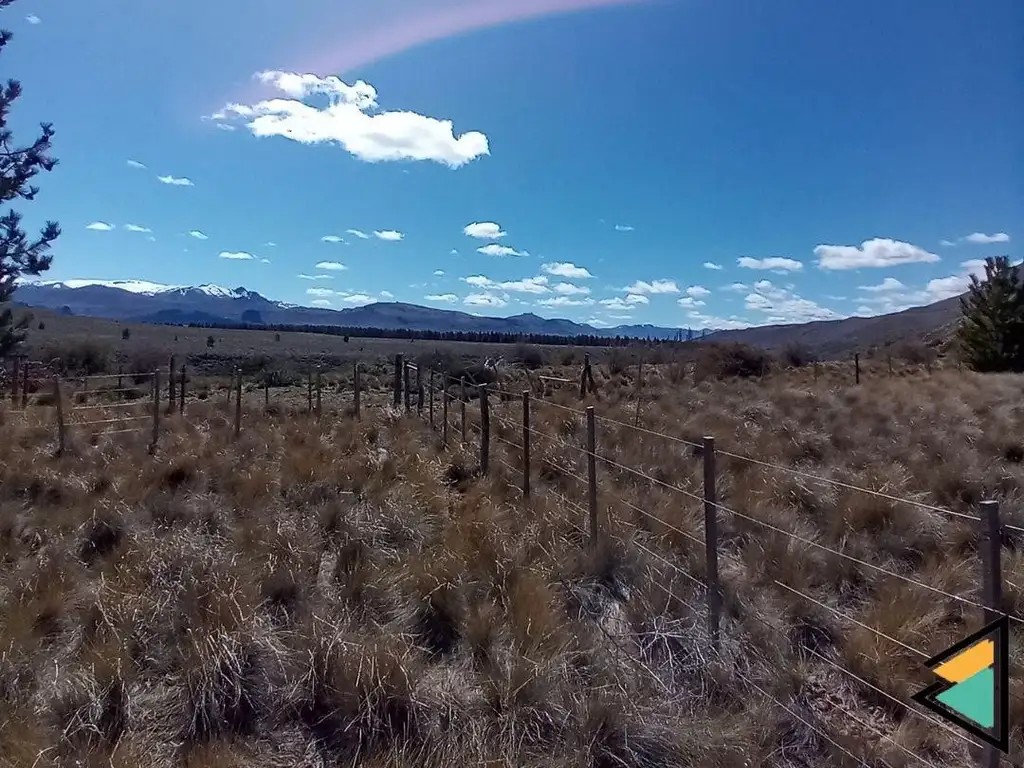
column 351, row 593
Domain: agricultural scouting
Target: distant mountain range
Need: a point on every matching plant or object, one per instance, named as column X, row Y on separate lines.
column 139, row 301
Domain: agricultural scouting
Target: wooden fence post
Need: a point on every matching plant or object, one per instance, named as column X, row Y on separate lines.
column 444, row 415
column 992, row 595
column 485, row 430
column 526, row 444
column 711, row 540
column 170, row 386
column 583, row 375
column 238, row 402
column 266, row 391
column 309, row 393
column 462, row 384
column 85, row 389
column 592, row 476
column 24, row 384
column 856, row 367
column 355, row 388
column 399, row 367
column 639, row 390
column 156, row 411
column 319, row 389
column 431, row 398
column 120, row 382
column 419, row 390
column 406, row 388
column 60, row 414
column 14, row 382
column 181, row 398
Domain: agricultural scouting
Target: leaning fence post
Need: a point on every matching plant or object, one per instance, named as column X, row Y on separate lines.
column 60, row 414
column 238, row 401
column 406, row 388
column 419, row 390
column 319, row 388
column 24, row 384
column 711, row 540
column 156, row 410
column 856, row 367
column 14, row 382
column 992, row 593
column 526, row 444
column 462, row 384
column 431, row 398
column 485, row 430
column 399, row 367
column 592, row 475
column 444, row 413
column 170, row 386
column 355, row 388
column 583, row 376
column 181, row 399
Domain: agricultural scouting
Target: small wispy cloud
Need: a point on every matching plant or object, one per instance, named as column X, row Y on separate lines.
column 983, row 239
column 270, row 245
column 712, row 265
column 387, row 295
column 137, row 228
column 777, row 263
column 500, row 250
column 315, row 277
column 357, row 299
column 331, row 266
column 357, row 233
column 136, row 164
column 198, row 235
column 623, row 228
column 320, row 303
column 655, row 286
column 483, row 230
column 237, row 255
column 387, row 234
column 225, row 126
column 319, row 292
column 438, row 273
column 565, row 269
column 331, row 239
column 175, row 181
column 33, row 19
column 100, row 226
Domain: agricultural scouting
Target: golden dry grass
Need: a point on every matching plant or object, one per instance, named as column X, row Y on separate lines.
column 342, row 593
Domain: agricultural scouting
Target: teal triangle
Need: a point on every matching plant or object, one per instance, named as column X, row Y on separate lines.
column 974, row 698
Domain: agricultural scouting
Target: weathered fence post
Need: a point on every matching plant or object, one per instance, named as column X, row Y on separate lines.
column 592, row 476
column 266, row 391
column 444, row 414
column 526, row 444
column 181, row 399
column 407, row 389
column 355, row 388
column 815, row 371
column 309, row 392
column 156, row 411
column 85, row 389
column 856, row 367
column 992, row 595
column 14, row 382
column 170, row 386
column 431, row 398
column 462, row 384
column 24, row 384
column 639, row 390
column 419, row 390
column 583, row 375
column 319, row 389
column 711, row 540
column 485, row 429
column 399, row 367
column 238, row 402
column 58, row 401
column 120, row 382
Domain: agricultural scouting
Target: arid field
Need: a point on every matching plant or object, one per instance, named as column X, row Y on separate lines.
column 338, row 592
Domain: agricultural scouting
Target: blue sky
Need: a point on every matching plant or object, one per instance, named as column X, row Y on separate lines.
column 692, row 164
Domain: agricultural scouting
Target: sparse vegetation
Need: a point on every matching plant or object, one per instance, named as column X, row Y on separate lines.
column 350, row 591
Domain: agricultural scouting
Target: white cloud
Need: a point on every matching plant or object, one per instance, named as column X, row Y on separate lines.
column 712, row 265
column 237, row 255
column 974, row 265
column 351, row 120
column 946, row 243
column 357, row 299
column 388, row 234
column 777, row 263
column 620, row 317
column 484, row 230
column 981, row 237
column 136, row 228
column 734, row 287
column 616, row 303
column 947, row 287
column 877, row 252
column 688, row 302
column 331, row 239
column 33, row 19
column 537, row 284
column 331, row 266
column 888, row 284
column 565, row 269
column 623, row 228
column 135, row 164
column 151, row 238
column 100, row 226
column 319, row 292
column 315, row 277
column 438, row 273
column 697, row 291
column 445, row 298
column 176, row 181
column 357, row 233
column 636, row 298
column 568, row 289
column 597, row 322
column 270, row 245
column 783, row 306
column 565, row 301
column 657, row 286
column 453, row 252
column 199, row 235
column 484, row 300
column 226, row 127
column 387, row 295
column 500, row 250
column 320, row 303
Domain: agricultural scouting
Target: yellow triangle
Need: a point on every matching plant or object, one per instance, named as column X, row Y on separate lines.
column 967, row 663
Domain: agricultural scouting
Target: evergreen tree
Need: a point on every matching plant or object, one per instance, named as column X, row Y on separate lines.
column 991, row 331
column 18, row 165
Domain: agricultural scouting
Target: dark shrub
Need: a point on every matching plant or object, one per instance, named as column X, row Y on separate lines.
column 797, row 355
column 529, row 356
column 733, row 360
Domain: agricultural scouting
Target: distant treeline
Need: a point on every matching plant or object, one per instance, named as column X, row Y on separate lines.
column 489, row 337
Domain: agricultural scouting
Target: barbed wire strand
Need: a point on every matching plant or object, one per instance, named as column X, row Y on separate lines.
column 145, row 403
column 107, row 421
